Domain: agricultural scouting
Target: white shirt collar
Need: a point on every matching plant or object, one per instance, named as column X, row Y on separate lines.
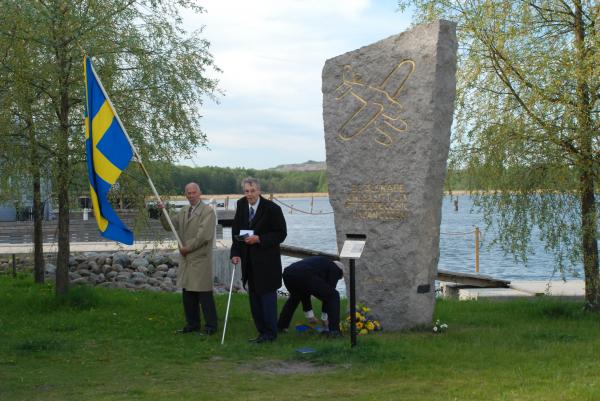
column 255, row 206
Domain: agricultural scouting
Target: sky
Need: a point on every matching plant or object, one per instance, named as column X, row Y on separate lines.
column 271, row 53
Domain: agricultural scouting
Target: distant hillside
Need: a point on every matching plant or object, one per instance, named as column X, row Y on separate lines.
column 310, row 165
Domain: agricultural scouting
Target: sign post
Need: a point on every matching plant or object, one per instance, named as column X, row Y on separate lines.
column 352, row 249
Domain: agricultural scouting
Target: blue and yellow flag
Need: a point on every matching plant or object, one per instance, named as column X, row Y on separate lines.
column 108, row 153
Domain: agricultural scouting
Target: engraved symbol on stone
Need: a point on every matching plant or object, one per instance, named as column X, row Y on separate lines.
column 378, row 109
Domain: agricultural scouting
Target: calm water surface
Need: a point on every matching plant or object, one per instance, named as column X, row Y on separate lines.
column 457, row 251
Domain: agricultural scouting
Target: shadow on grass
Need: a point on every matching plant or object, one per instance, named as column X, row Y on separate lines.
column 40, row 345
column 339, row 352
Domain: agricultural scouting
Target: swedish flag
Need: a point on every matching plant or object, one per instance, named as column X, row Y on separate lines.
column 108, row 153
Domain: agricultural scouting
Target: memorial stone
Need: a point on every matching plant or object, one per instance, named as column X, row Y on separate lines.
column 387, row 110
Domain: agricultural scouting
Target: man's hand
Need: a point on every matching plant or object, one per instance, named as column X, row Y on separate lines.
column 160, row 205
column 184, row 250
column 235, row 260
column 252, row 239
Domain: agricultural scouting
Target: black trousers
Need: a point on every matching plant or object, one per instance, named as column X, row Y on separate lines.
column 264, row 313
column 191, row 307
column 301, row 287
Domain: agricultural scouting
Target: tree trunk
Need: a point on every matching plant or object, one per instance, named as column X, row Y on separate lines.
column 38, row 246
column 34, row 168
column 62, row 258
column 64, row 175
column 589, row 244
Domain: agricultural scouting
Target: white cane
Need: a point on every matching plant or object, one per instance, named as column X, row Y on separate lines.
column 228, row 303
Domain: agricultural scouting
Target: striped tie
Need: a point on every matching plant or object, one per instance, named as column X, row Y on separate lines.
column 251, row 214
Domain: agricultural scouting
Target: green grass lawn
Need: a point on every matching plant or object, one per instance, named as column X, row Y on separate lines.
column 101, row 344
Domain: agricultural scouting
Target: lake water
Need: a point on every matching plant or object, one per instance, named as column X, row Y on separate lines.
column 457, row 252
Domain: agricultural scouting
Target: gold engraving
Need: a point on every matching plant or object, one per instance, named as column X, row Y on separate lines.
column 378, row 105
column 377, row 201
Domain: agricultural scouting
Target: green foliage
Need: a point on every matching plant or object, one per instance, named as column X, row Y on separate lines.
column 171, row 179
column 527, row 122
column 537, row 349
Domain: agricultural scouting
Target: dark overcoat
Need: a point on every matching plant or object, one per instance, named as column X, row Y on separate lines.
column 261, row 263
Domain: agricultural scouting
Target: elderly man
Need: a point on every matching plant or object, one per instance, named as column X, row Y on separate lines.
column 258, row 229
column 195, row 225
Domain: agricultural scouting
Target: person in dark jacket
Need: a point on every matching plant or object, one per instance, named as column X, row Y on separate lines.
column 258, row 229
column 314, row 276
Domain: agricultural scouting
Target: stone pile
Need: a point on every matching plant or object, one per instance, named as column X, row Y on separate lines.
column 133, row 270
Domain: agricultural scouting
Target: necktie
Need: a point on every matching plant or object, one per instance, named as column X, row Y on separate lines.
column 251, row 214
column 190, row 212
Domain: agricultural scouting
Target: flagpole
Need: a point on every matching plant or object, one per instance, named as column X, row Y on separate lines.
column 138, row 158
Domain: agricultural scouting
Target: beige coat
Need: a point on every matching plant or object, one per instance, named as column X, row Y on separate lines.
column 195, row 272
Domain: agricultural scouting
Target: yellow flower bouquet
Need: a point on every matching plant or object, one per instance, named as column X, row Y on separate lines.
column 365, row 323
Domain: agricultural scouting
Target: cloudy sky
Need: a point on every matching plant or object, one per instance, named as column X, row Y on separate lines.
column 272, row 53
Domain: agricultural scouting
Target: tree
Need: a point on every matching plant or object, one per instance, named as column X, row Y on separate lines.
column 527, row 121
column 155, row 74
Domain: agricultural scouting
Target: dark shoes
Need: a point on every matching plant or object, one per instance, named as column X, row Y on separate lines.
column 209, row 331
column 187, row 330
column 261, row 339
column 332, row 334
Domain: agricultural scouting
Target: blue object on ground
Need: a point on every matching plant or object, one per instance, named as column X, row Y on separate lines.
column 306, row 350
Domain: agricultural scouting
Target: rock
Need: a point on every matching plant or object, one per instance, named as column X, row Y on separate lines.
column 80, row 281
column 172, row 273
column 387, row 111
column 123, row 276
column 107, row 269
column 111, row 275
column 157, row 259
column 121, row 258
column 167, row 287
column 73, row 261
column 117, row 267
column 153, row 281
column 142, row 269
column 159, row 274
column 50, row 268
column 94, row 268
column 93, row 278
column 151, row 269
column 138, row 278
column 74, row 276
column 83, row 265
column 139, row 262
column 84, row 272
column 101, row 260
column 162, row 267
column 79, row 258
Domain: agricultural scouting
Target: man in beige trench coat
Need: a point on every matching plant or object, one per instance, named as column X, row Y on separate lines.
column 195, row 225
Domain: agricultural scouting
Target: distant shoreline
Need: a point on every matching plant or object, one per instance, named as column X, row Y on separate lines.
column 279, row 195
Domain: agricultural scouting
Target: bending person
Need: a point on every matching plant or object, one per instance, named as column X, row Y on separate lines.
column 314, row 276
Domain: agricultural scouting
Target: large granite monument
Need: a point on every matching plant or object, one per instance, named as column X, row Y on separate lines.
column 388, row 110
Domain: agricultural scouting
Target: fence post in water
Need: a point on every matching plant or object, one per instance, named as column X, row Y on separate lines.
column 227, row 203
column 476, row 249
column 271, row 196
column 312, row 201
column 14, row 272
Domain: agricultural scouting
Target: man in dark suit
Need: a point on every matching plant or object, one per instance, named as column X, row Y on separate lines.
column 258, row 229
column 316, row 276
